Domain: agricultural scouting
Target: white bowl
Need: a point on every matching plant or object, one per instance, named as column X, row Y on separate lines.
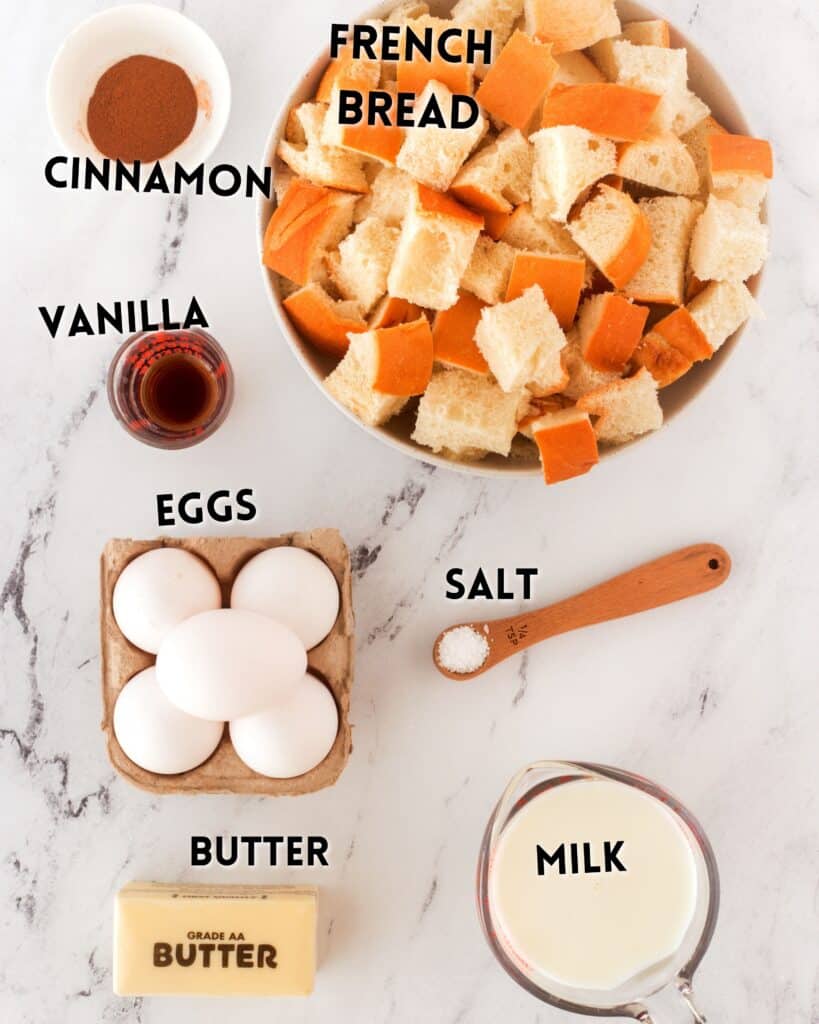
column 107, row 38
column 704, row 80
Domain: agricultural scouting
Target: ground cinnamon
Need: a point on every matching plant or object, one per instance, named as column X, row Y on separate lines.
column 142, row 109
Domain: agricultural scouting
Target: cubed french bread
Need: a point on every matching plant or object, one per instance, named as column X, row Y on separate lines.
column 696, row 142
column 453, row 335
column 571, row 24
column 662, row 162
column 313, row 161
column 739, row 168
column 729, row 243
column 582, row 376
column 614, row 233
column 652, row 32
column 487, row 275
column 433, row 155
column 391, row 311
column 348, row 73
column 520, row 77
column 322, row 320
column 499, row 176
column 575, row 68
column 434, row 250
column 309, row 221
column 658, row 70
column 609, row 328
column 388, row 199
column 415, row 75
column 561, row 279
column 568, row 160
column 349, row 384
column 378, row 142
column 524, row 230
column 615, row 111
column 360, row 268
column 462, row 412
column 721, row 309
column 522, row 341
column 398, row 360
column 672, row 347
column 692, row 111
column 566, row 443
column 496, row 16
column 661, row 278
column 624, row 409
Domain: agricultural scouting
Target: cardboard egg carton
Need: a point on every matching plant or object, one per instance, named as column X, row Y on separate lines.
column 331, row 661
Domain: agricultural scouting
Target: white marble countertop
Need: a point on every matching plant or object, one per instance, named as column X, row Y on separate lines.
column 715, row 699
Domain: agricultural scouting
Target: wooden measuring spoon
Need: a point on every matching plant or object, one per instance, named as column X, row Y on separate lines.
column 685, row 573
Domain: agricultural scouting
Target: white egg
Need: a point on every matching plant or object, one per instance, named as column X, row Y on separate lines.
column 292, row 586
column 291, row 737
column 155, row 734
column 160, row 589
column 225, row 664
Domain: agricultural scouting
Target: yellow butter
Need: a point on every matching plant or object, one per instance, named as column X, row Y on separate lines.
column 204, row 940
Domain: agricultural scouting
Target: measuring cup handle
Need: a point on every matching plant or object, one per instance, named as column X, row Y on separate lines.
column 684, row 1012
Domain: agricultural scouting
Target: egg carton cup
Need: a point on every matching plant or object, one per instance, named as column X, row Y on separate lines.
column 331, row 661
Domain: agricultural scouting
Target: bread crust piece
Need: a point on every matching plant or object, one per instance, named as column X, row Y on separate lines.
column 567, row 444
column 739, row 154
column 402, row 358
column 609, row 330
column 561, row 279
column 614, row 233
column 625, row 409
column 568, row 161
column 391, row 311
column 453, row 335
column 499, row 177
column 349, row 385
column 322, row 321
column 614, row 111
column 516, row 83
column 415, row 75
column 571, row 24
column 665, row 363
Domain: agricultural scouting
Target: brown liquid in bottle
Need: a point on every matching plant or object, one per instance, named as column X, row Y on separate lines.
column 178, row 392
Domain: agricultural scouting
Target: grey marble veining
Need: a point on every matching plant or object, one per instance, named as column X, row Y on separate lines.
column 715, row 699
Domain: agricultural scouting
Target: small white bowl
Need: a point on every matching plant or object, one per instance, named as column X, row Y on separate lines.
column 524, row 461
column 107, row 38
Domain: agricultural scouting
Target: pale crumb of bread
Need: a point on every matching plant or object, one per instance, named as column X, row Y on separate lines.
column 604, row 225
column 662, row 162
column 625, row 409
column 323, row 165
column 362, row 263
column 692, row 112
column 568, row 160
column 462, row 412
column 522, row 342
column 721, row 309
column 350, row 385
column 655, row 69
column 730, row 243
column 583, row 377
column 662, row 277
column 489, row 270
column 389, row 197
column 433, row 155
column 496, row 16
column 501, row 170
column 575, row 68
column 748, row 190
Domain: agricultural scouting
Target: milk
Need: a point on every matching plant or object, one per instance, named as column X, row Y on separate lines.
column 592, row 883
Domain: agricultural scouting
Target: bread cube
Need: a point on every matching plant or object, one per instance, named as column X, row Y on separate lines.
column 308, row 221
column 654, row 32
column 582, row 376
column 391, row 311
column 567, row 444
column 625, row 409
column 360, row 268
column 416, row 74
column 568, row 160
column 520, row 77
column 575, row 68
column 398, row 360
column 388, row 199
column 461, row 412
column 729, row 243
column 692, row 111
column 433, row 155
column 499, row 176
column 453, row 335
column 496, row 16
column 350, row 385
column 721, row 309
column 614, row 111
column 661, row 278
column 672, row 347
column 434, row 250
column 311, row 159
column 522, row 341
column 739, row 168
column 662, row 162
column 614, row 233
column 559, row 277
column 658, row 70
column 323, row 321
column 487, row 275
column 609, row 329
column 571, row 24
column 524, row 230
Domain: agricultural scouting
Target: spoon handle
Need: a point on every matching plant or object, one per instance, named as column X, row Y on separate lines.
column 685, row 573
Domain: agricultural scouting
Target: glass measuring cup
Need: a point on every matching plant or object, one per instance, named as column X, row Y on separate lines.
column 661, row 995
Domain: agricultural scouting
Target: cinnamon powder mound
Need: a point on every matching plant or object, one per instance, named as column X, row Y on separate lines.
column 142, row 109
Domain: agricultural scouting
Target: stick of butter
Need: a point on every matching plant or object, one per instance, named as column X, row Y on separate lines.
column 204, row 940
